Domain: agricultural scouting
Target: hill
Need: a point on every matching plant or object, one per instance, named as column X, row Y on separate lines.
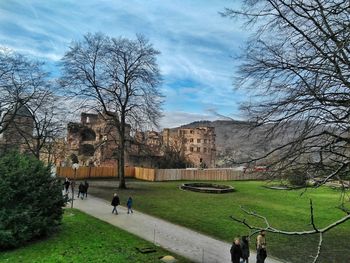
column 239, row 141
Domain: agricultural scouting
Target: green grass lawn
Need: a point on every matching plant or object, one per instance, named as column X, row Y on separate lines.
column 209, row 214
column 83, row 238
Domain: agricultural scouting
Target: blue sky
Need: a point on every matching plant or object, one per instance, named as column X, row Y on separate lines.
column 196, row 44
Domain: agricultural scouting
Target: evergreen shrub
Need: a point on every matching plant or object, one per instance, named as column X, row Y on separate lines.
column 31, row 200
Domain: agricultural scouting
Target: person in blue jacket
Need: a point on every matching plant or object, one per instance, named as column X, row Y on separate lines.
column 129, row 205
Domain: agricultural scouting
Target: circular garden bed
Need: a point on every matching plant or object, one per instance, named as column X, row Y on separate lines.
column 207, row 188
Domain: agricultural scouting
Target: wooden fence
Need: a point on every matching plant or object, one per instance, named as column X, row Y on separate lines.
column 205, row 175
column 149, row 174
column 195, row 175
column 145, row 174
column 93, row 172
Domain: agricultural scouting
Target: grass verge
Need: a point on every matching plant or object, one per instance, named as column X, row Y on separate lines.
column 83, row 238
column 209, row 214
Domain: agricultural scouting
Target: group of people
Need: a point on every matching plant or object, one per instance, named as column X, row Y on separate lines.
column 82, row 190
column 240, row 249
column 116, row 201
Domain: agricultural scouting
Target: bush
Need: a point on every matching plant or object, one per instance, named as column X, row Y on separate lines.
column 31, row 200
column 296, row 177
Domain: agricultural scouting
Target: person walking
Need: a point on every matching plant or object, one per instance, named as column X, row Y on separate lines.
column 81, row 192
column 66, row 184
column 261, row 253
column 86, row 184
column 245, row 249
column 115, row 203
column 129, row 205
column 236, row 252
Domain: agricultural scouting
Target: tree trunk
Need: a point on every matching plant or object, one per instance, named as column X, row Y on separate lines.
column 121, row 160
column 37, row 149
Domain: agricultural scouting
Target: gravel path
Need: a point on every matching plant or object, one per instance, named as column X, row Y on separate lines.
column 182, row 241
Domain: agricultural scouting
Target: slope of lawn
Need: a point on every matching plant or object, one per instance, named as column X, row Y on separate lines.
column 209, row 214
column 83, row 238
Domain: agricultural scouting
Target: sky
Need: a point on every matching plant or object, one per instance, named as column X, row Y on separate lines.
column 197, row 44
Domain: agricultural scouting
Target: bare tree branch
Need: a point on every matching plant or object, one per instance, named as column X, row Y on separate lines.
column 271, row 229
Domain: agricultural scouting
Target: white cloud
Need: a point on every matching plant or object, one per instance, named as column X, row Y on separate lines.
column 195, row 41
column 177, row 118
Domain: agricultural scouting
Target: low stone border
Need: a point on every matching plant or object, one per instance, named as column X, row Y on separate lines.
column 207, row 188
column 282, row 187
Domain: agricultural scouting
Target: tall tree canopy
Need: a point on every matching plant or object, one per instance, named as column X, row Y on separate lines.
column 296, row 67
column 120, row 79
column 21, row 79
column 296, row 64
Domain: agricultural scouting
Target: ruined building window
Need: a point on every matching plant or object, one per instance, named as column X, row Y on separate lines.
column 87, row 134
column 205, row 140
column 87, row 149
column 198, row 149
column 198, row 140
column 205, row 150
column 191, row 131
column 191, row 149
column 191, row 140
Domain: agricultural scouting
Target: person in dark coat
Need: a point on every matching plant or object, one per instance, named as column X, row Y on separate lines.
column 86, row 184
column 66, row 184
column 245, row 249
column 81, row 192
column 115, row 203
column 236, row 252
column 129, row 205
column 261, row 253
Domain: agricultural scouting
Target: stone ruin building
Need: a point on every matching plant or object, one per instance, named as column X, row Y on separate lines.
column 94, row 141
column 146, row 149
column 198, row 144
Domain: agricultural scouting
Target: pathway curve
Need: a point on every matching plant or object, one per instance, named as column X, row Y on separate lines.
column 180, row 240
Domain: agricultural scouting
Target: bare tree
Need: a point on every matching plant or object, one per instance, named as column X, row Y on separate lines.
column 20, row 79
column 296, row 67
column 47, row 114
column 174, row 154
column 28, row 107
column 120, row 77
